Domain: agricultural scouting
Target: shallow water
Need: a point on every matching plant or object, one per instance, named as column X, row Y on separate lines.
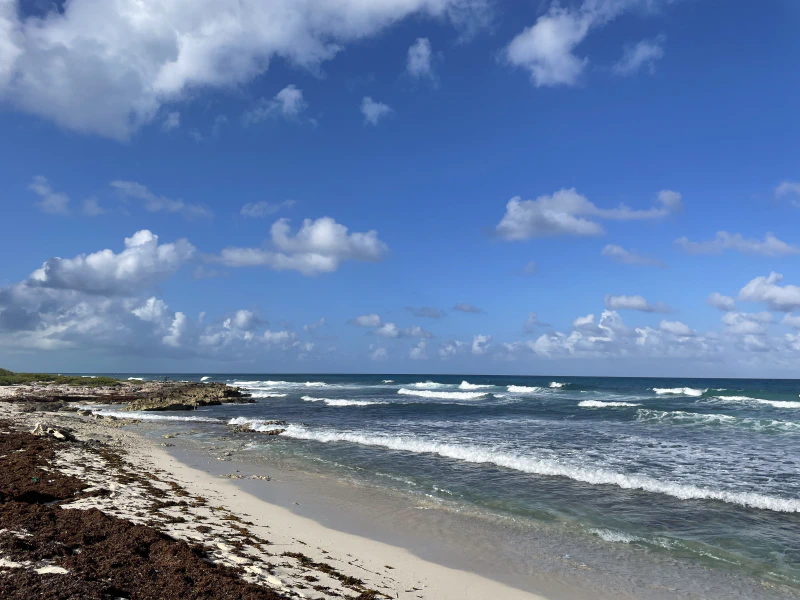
column 704, row 471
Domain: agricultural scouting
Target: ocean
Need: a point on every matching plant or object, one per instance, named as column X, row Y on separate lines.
column 699, row 470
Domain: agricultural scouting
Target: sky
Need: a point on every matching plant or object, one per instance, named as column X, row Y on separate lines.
column 595, row 187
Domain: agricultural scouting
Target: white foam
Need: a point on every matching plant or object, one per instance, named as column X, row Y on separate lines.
column 430, row 385
column 254, row 424
column 388, row 381
column 135, row 378
column 599, row 404
column 615, row 536
column 206, row 378
column 442, row 395
column 337, row 402
column 557, row 384
column 524, row 389
column 685, row 391
column 773, row 403
column 466, row 385
column 679, row 417
column 268, row 383
column 267, row 394
column 547, row 467
column 148, row 416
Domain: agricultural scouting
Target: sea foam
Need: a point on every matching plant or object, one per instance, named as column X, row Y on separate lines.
column 685, row 391
column 337, row 402
column 429, row 385
column 557, row 384
column 442, row 395
column 466, row 385
column 524, row 389
column 679, row 417
column 547, row 467
column 773, row 403
column 600, row 404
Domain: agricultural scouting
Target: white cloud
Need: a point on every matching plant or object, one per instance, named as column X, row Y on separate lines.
column 634, row 303
column 177, row 331
column 388, row 330
column 374, row 111
column 243, row 320
column 51, row 202
column 155, row 203
column 312, row 327
column 92, row 208
column 377, row 353
column 99, row 68
column 468, row 308
column 770, row 246
column 451, row 348
column 569, row 213
column 143, row 263
column 532, row 323
column 279, row 338
column 418, row 352
column 676, row 328
column 630, row 257
column 789, row 188
column 791, row 320
column 530, row 268
column 262, row 208
column 747, row 323
column 547, row 48
column 419, row 59
column 644, row 53
column 171, row 121
column 481, row 343
column 765, row 289
column 154, row 310
column 318, row 247
column 370, row 320
column 721, row 302
column 288, row 104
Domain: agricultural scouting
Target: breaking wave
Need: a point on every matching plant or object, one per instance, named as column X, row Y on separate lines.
column 430, row 385
column 466, row 385
column 135, row 378
column 679, row 417
column 685, row 391
column 255, row 424
column 267, row 394
column 773, row 403
column 442, row 395
column 557, row 384
column 547, row 467
column 388, row 381
column 206, row 378
column 335, row 402
column 600, row 404
column 524, row 389
column 148, row 416
column 261, row 384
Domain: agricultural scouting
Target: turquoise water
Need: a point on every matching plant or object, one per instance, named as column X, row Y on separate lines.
column 696, row 469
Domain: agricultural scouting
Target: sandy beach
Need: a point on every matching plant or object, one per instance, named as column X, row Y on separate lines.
column 270, row 545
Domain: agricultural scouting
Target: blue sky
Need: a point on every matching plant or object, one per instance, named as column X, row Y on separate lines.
column 630, row 132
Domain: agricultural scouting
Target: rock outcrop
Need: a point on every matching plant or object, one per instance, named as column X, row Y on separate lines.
column 189, row 396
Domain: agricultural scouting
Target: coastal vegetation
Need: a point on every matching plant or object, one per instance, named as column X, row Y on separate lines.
column 11, row 378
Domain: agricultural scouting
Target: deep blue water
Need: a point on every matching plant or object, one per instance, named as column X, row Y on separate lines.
column 702, row 469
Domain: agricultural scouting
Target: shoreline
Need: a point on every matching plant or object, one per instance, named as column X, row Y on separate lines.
column 304, row 545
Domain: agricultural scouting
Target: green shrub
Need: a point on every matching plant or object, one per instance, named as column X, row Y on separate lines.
column 10, row 378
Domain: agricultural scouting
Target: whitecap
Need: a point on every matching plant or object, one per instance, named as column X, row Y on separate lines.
column 430, row 385
column 524, row 389
column 442, row 395
column 684, row 391
column 206, row 378
column 547, row 467
column 267, row 394
column 615, row 536
column 557, row 384
column 271, row 384
column 135, row 378
column 337, row 402
column 600, row 404
column 254, row 424
column 679, row 417
column 773, row 403
column 388, row 381
column 466, row 385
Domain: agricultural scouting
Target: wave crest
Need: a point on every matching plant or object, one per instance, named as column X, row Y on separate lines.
column 337, row 402
column 442, row 395
column 466, row 385
column 601, row 404
column 524, row 389
column 684, row 391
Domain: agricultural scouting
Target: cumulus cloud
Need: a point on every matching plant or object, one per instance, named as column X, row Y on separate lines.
column 770, row 246
column 547, row 49
column 630, row 257
column 419, row 59
column 419, row 352
column 532, row 324
column 388, row 330
column 318, row 247
column 451, row 348
column 427, row 312
column 468, row 308
column 154, row 203
column 312, row 327
column 391, row 330
column 287, row 104
column 634, row 303
column 51, row 202
column 143, row 263
column 370, row 320
column 721, row 302
column 569, row 213
column 377, row 353
column 676, row 328
column 481, row 344
column 262, row 208
column 68, row 68
column 784, row 298
column 374, row 111
column 791, row 189
column 643, row 54
column 747, row 323
column 171, row 121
